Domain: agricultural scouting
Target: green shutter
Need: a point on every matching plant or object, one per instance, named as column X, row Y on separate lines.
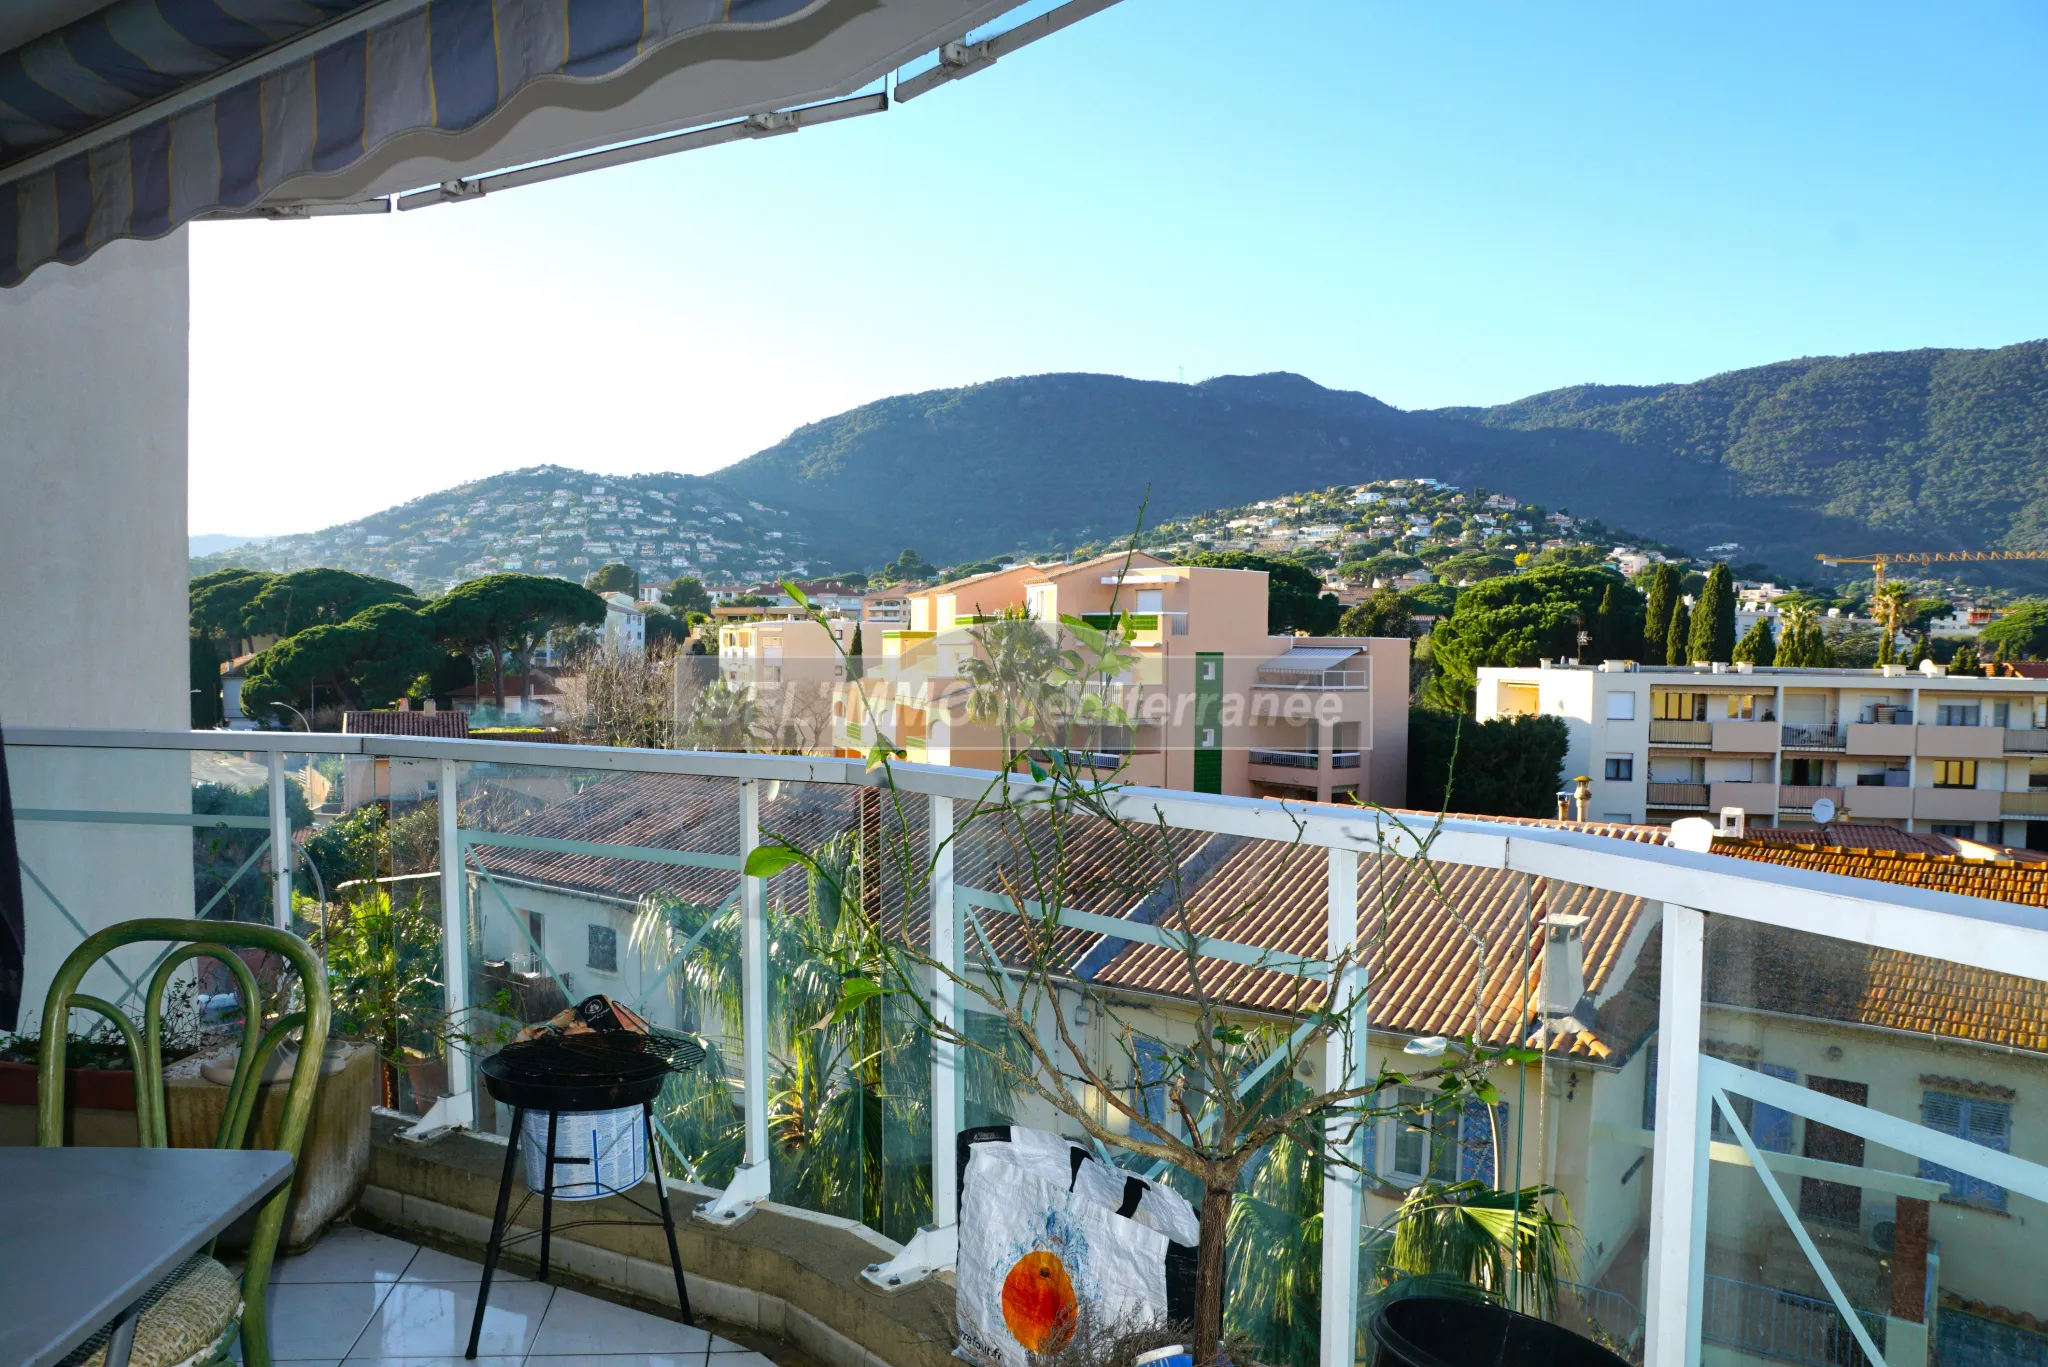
column 1208, row 721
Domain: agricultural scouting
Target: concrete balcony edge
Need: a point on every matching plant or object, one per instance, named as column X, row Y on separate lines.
column 793, row 1275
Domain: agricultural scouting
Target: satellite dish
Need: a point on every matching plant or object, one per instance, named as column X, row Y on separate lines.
column 1823, row 810
column 1694, row 833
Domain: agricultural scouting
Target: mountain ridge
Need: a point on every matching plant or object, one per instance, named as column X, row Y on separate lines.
column 1929, row 449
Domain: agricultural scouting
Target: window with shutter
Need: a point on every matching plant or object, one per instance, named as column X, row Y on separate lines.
column 1475, row 1141
column 1981, row 1122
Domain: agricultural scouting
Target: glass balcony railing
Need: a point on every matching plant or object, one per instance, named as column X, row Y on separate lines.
column 1794, row 1115
column 1286, row 759
column 1320, row 679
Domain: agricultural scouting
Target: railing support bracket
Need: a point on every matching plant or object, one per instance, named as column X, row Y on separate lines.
column 932, row 1250
column 748, row 1189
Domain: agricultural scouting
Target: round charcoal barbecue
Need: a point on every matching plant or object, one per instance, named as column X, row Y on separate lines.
column 580, row 1074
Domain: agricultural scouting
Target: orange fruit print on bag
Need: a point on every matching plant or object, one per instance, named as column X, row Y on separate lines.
column 1038, row 1302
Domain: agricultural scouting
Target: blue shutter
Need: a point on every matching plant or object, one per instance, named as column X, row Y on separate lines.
column 1981, row 1122
column 1769, row 1126
column 1151, row 1089
column 1475, row 1141
column 1650, row 1088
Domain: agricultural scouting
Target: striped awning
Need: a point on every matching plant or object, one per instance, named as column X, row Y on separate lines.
column 142, row 115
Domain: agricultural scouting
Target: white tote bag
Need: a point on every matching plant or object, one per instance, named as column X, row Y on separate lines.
column 1044, row 1248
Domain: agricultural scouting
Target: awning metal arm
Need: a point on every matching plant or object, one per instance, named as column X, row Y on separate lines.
column 960, row 58
column 767, row 125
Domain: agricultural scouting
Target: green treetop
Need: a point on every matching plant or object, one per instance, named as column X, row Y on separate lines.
column 366, row 662
column 1713, row 619
column 1758, row 646
column 290, row 603
column 1679, row 642
column 612, row 579
column 1657, row 615
column 513, row 613
column 1518, row 620
column 688, row 595
column 1385, row 613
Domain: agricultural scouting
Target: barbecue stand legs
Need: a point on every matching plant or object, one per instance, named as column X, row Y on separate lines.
column 547, row 1208
column 547, row 1195
column 483, row 1291
column 668, row 1219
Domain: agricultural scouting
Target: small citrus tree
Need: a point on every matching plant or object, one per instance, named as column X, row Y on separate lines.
column 1209, row 1115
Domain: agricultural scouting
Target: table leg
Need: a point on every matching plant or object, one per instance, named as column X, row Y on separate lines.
column 122, row 1342
column 547, row 1196
column 668, row 1219
column 483, row 1290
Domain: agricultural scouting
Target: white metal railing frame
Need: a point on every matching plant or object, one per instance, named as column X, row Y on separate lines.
column 1998, row 936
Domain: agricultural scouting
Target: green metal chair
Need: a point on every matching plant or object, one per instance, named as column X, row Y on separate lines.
column 193, row 1314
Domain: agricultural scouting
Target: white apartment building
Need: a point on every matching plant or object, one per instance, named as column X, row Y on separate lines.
column 1925, row 750
column 625, row 624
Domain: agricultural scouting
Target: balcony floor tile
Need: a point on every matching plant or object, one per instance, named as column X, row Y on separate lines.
column 359, row 1297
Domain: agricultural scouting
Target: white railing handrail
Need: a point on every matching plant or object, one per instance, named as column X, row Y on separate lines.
column 2003, row 937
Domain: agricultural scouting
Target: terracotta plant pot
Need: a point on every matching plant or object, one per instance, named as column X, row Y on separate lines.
column 93, row 1089
column 429, row 1079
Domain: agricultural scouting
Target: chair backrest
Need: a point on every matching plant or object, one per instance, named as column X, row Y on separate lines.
column 191, row 940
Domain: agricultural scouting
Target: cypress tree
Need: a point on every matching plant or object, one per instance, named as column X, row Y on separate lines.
column 1758, row 646
column 856, row 667
column 1657, row 617
column 1679, row 641
column 1713, row 618
column 1607, row 633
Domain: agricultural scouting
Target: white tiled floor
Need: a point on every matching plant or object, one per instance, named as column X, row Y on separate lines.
column 362, row 1297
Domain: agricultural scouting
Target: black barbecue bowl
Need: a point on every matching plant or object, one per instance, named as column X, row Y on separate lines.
column 1437, row 1331
column 594, row 1072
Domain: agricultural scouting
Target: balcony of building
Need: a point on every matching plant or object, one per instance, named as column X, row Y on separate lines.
column 576, row 871
column 1316, row 669
column 1687, row 796
column 1800, row 797
column 1696, row 735
column 2027, row 742
column 1812, row 737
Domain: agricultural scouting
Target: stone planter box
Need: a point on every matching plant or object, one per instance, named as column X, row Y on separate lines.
column 334, row 1163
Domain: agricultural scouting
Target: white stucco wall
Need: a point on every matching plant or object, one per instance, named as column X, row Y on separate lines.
column 93, row 385
column 93, row 366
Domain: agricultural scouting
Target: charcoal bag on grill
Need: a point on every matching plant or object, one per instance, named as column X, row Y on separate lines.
column 1053, row 1241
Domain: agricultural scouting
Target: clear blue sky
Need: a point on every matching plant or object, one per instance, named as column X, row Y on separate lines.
column 1435, row 204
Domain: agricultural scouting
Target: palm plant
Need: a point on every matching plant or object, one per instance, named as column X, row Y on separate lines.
column 1509, row 1245
column 1011, row 681
column 1893, row 607
column 848, row 1103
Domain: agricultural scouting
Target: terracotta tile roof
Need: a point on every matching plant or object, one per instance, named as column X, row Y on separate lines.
column 449, row 724
column 1999, row 880
column 1428, row 972
column 1847, row 835
column 1778, row 970
column 1751, row 964
column 2026, row 669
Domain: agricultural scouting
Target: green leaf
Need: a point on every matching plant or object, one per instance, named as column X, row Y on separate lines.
column 798, row 594
column 768, row 860
column 854, row 993
column 1037, row 774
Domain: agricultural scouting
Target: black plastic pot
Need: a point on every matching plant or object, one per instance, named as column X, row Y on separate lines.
column 1437, row 1331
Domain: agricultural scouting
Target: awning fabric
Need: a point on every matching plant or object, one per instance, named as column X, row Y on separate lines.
column 1311, row 659
column 445, row 67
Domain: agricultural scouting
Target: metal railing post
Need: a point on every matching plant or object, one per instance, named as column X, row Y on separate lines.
column 1345, row 1066
column 1676, row 1280
column 754, row 978
column 750, row 1183
column 280, row 845
column 454, row 921
column 949, row 1102
column 935, row 1246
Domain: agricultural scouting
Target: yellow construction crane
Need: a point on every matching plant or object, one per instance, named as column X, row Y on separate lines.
column 1883, row 558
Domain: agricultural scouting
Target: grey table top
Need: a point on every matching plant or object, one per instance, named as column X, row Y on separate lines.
column 85, row 1232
